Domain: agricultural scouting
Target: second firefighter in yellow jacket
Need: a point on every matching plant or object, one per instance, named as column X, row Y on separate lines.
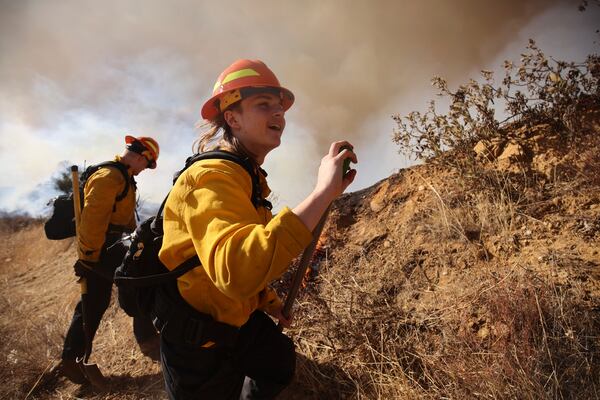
column 108, row 211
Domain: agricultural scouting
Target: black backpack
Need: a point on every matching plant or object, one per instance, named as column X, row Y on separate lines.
column 142, row 273
column 61, row 224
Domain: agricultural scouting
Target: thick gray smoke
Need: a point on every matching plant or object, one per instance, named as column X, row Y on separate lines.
column 76, row 75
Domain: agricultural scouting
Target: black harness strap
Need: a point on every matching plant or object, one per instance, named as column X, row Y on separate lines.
column 257, row 198
column 115, row 164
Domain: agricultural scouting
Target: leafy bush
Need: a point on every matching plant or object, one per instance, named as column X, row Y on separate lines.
column 538, row 90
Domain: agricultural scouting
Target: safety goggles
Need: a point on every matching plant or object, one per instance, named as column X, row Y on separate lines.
column 139, row 148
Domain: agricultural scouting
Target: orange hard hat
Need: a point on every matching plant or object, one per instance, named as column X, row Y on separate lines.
column 240, row 75
column 144, row 145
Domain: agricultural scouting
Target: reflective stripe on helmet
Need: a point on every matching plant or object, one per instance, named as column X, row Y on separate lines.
column 242, row 73
column 152, row 146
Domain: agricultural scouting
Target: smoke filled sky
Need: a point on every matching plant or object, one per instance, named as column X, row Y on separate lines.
column 76, row 76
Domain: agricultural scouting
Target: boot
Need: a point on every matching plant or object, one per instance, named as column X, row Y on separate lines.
column 151, row 348
column 72, row 371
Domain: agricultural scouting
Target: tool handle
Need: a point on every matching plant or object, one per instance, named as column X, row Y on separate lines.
column 304, row 261
column 308, row 252
column 76, row 198
column 77, row 210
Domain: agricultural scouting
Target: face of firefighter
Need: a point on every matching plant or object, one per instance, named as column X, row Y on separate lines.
column 138, row 164
column 258, row 123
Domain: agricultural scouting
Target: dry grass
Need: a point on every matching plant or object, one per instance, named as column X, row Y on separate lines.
column 509, row 334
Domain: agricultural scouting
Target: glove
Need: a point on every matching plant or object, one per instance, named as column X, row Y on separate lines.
column 84, row 267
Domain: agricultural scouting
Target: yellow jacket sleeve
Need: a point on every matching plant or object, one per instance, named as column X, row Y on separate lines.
column 100, row 193
column 241, row 248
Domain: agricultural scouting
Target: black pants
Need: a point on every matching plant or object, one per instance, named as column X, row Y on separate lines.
column 260, row 365
column 99, row 290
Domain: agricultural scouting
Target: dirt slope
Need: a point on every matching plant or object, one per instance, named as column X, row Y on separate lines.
column 421, row 288
column 432, row 289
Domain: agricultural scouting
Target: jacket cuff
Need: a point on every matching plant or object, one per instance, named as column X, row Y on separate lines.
column 88, row 255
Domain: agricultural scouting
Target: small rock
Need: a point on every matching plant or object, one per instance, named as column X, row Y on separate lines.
column 513, row 152
column 480, row 148
column 484, row 332
column 569, row 333
column 376, row 205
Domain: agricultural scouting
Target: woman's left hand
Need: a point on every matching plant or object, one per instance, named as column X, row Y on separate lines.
column 283, row 321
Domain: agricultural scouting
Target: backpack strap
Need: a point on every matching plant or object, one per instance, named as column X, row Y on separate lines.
column 151, row 280
column 89, row 171
column 257, row 199
column 122, row 169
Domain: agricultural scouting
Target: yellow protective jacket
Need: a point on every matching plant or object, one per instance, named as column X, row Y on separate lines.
column 241, row 248
column 100, row 209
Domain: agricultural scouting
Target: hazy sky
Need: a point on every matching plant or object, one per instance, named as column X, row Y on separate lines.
column 77, row 76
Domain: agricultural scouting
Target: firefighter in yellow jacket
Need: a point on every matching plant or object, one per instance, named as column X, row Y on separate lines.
column 108, row 211
column 225, row 346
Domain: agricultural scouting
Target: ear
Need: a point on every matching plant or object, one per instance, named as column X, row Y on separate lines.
column 231, row 119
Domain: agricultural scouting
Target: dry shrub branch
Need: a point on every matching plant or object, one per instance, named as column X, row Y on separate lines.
column 538, row 90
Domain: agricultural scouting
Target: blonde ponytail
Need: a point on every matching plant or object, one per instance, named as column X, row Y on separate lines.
column 219, row 136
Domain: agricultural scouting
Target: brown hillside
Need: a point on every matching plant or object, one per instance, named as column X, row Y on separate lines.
column 423, row 287
column 434, row 288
